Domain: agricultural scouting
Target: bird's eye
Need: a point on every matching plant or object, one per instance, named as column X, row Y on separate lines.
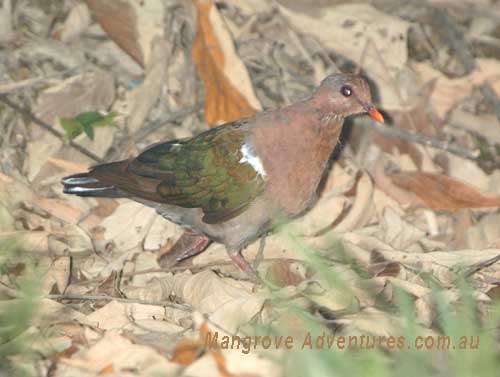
column 346, row 91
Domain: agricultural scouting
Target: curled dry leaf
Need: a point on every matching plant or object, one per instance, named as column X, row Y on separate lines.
column 137, row 318
column 229, row 93
column 76, row 22
column 128, row 225
column 441, row 192
column 145, row 96
column 216, row 361
column 354, row 26
column 397, row 232
column 58, row 274
column 119, row 21
column 115, row 352
column 449, row 91
column 132, row 25
column 228, row 302
column 359, row 214
column 324, row 213
column 437, row 260
column 85, row 92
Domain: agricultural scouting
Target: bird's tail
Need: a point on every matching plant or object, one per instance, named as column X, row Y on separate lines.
column 86, row 184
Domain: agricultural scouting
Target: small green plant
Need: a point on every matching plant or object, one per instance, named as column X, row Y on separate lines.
column 18, row 305
column 85, row 123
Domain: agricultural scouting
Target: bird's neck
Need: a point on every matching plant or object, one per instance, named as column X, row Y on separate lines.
column 295, row 151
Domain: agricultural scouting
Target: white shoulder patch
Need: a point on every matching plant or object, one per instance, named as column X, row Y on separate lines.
column 250, row 157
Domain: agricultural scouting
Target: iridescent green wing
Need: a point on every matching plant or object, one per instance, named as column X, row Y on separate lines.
column 203, row 172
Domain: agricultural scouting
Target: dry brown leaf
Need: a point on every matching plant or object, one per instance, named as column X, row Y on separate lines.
column 58, row 274
column 324, row 213
column 397, row 232
column 362, row 208
column 135, row 318
column 69, row 167
column 107, row 369
column 230, row 303
column 228, row 91
column 128, row 225
column 283, row 273
column 391, row 145
column 61, row 209
column 449, row 91
column 188, row 350
column 91, row 91
column 119, row 21
column 441, row 192
column 76, row 22
column 145, row 96
column 355, row 25
column 119, row 352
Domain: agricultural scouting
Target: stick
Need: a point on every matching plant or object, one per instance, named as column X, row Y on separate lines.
column 490, row 96
column 413, row 137
column 173, row 117
column 28, row 114
column 119, row 299
column 479, row 266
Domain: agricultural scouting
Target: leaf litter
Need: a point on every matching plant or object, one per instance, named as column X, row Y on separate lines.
column 402, row 213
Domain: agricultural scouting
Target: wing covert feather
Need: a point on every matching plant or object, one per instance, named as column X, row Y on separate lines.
column 203, row 172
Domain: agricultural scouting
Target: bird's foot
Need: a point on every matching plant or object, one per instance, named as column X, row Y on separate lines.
column 188, row 245
column 242, row 263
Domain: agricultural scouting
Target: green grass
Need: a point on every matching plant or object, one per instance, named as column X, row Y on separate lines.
column 456, row 321
column 19, row 298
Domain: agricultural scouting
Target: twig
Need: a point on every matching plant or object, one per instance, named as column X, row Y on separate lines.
column 181, row 269
column 260, row 253
column 28, row 114
column 491, row 97
column 119, row 299
column 173, row 117
column 18, row 85
column 448, row 30
column 413, row 137
column 479, row 266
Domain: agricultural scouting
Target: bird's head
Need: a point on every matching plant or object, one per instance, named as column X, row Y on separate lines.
column 347, row 94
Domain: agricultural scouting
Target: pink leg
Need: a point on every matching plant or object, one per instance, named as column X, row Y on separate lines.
column 239, row 261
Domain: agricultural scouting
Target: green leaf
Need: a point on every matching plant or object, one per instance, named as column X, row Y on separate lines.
column 89, row 131
column 72, row 127
column 86, row 122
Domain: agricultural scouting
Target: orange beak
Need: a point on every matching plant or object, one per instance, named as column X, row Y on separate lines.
column 375, row 114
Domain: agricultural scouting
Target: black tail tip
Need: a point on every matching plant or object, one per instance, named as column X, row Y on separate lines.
column 83, row 184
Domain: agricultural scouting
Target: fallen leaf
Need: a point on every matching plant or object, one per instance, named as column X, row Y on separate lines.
column 119, row 20
column 283, row 273
column 228, row 90
column 230, row 303
column 449, row 91
column 58, row 274
column 119, row 352
column 85, row 92
column 128, row 225
column 397, row 232
column 132, row 25
column 441, row 192
column 77, row 21
column 362, row 208
column 188, row 350
column 353, row 26
column 69, row 167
